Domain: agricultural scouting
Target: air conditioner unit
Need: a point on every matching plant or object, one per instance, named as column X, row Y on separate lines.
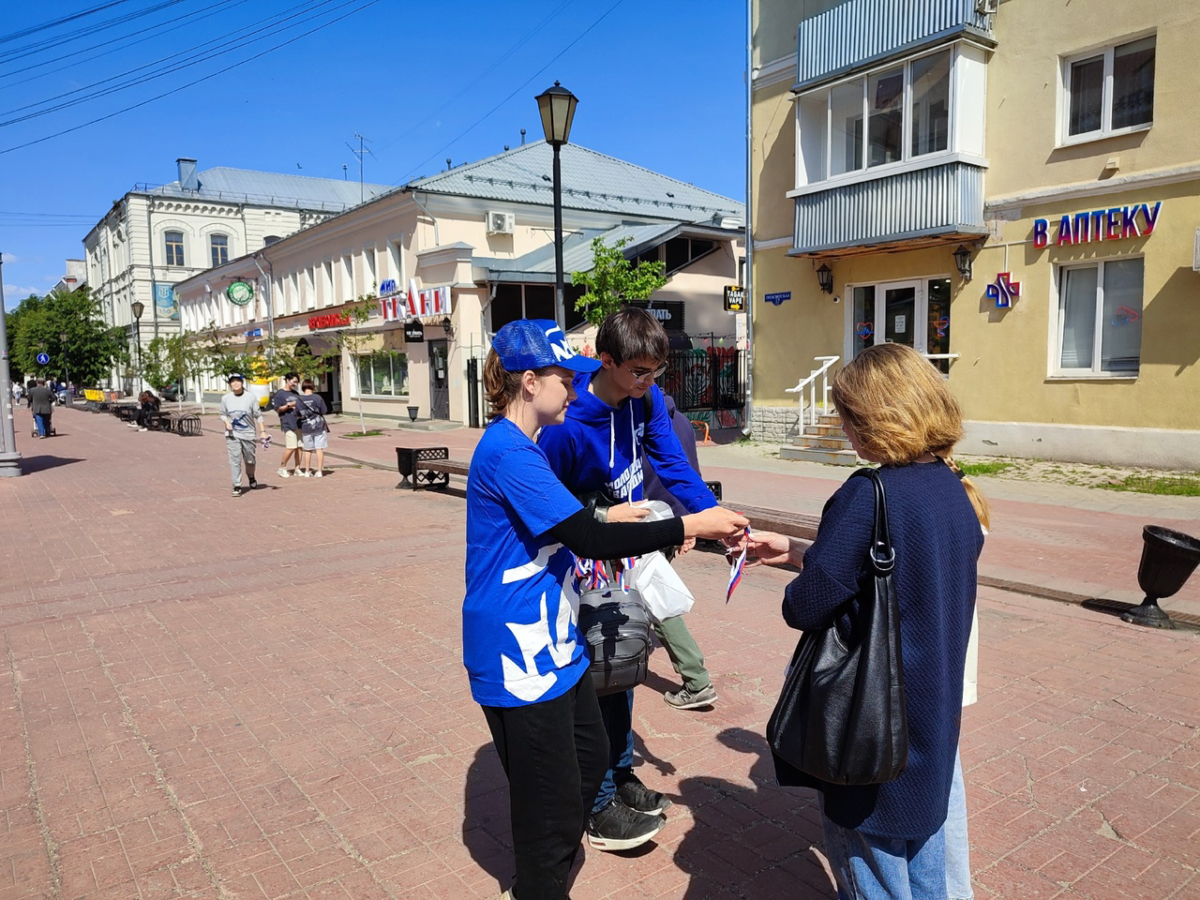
column 501, row 223
column 987, row 7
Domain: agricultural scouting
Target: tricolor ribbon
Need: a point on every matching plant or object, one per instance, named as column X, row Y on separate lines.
column 736, row 566
column 627, row 564
column 589, row 575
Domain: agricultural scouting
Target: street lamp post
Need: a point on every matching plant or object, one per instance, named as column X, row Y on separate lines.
column 62, row 337
column 138, row 308
column 557, row 108
column 10, row 459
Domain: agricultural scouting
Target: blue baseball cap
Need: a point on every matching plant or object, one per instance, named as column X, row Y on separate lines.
column 235, row 377
column 535, row 344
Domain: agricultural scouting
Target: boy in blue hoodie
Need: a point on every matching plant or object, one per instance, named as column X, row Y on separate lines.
column 619, row 418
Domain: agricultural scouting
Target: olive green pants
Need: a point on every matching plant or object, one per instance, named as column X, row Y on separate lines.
column 684, row 652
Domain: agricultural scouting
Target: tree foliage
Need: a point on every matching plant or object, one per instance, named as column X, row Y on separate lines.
column 614, row 282
column 353, row 339
column 88, row 353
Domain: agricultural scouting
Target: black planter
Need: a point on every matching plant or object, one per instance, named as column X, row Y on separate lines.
column 1168, row 560
column 412, row 413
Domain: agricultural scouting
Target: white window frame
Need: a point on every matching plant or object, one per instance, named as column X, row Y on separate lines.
column 1056, row 372
column 1064, row 89
column 907, row 161
column 920, row 309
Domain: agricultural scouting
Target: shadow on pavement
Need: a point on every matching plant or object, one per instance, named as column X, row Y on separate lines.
column 751, row 841
column 486, row 831
column 31, row 464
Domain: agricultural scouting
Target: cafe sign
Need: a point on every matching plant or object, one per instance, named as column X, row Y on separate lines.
column 409, row 304
column 329, row 320
column 1116, row 223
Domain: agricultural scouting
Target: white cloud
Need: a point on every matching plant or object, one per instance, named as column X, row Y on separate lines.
column 14, row 294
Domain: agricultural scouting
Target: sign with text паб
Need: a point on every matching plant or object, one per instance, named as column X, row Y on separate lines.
column 735, row 298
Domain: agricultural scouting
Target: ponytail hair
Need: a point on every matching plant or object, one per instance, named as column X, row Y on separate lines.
column 974, row 494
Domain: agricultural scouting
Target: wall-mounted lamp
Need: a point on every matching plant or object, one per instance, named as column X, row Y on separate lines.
column 448, row 327
column 825, row 278
column 962, row 259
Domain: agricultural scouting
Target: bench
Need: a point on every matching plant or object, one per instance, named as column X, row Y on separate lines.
column 427, row 467
column 124, row 411
column 792, row 524
column 182, row 424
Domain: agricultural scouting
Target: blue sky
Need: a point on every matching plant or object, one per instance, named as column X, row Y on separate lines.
column 660, row 84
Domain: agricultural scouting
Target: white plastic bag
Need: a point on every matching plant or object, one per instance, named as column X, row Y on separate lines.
column 661, row 587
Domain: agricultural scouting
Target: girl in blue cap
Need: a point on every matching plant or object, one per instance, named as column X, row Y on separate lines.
column 523, row 652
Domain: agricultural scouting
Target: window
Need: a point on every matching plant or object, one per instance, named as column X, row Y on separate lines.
column 384, row 374
column 174, row 243
column 1110, row 91
column 905, row 110
column 1100, row 318
column 521, row 301
column 219, row 243
column 915, row 313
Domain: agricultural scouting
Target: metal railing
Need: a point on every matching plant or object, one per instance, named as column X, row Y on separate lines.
column 810, row 382
column 705, row 378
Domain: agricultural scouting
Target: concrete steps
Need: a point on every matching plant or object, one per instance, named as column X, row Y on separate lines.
column 824, row 442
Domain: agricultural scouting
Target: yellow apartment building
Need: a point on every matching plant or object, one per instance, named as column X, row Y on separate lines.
column 1011, row 188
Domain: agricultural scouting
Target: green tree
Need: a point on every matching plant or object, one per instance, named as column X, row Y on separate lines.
column 353, row 339
column 87, row 353
column 289, row 355
column 164, row 362
column 613, row 282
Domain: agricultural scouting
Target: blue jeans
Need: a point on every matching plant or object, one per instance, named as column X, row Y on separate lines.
column 869, row 867
column 617, row 712
column 43, row 424
column 958, row 851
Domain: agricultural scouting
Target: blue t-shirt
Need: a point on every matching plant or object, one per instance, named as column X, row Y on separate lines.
column 521, row 642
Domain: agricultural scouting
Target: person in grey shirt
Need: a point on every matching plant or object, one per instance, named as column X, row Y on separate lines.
column 243, row 422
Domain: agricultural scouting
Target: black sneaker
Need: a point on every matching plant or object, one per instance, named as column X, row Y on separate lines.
column 237, row 492
column 640, row 798
column 253, row 484
column 617, row 827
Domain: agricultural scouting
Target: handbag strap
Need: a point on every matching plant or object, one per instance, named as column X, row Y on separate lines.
column 882, row 554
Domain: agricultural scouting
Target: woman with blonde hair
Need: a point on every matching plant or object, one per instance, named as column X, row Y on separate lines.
column 524, row 654
column 887, row 840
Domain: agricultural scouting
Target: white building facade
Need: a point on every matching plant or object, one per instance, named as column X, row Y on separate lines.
column 451, row 258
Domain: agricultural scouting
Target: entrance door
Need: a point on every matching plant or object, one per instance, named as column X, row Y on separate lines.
column 896, row 317
column 891, row 313
column 439, row 380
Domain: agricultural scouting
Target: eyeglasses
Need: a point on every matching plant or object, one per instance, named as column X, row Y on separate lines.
column 644, row 375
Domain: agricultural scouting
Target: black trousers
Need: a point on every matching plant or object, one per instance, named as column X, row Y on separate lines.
column 555, row 754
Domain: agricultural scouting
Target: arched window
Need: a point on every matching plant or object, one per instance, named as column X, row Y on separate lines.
column 174, row 244
column 271, row 239
column 220, row 249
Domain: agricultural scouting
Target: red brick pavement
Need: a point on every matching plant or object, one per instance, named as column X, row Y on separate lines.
column 263, row 698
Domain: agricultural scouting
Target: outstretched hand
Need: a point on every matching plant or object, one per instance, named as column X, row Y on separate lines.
column 770, row 549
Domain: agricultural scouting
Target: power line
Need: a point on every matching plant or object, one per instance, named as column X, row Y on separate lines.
column 180, row 22
column 176, row 63
column 58, row 42
column 193, row 83
column 520, row 88
column 12, row 36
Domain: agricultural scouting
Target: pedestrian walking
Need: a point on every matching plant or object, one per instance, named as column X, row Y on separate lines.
column 17, row 393
column 889, row 840
column 284, row 402
column 314, row 429
column 522, row 648
column 619, row 419
column 41, row 404
column 243, row 422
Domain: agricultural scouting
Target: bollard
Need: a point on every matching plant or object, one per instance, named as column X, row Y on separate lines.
column 1168, row 560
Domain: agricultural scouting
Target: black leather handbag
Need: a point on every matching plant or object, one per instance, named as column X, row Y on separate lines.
column 841, row 717
column 616, row 626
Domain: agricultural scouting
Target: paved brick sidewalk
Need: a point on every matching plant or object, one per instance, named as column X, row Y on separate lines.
column 262, row 697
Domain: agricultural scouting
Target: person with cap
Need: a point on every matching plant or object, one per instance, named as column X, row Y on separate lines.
column 243, row 423
column 525, row 657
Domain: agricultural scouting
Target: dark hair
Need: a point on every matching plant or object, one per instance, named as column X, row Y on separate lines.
column 633, row 333
column 291, row 376
column 307, row 385
column 501, row 385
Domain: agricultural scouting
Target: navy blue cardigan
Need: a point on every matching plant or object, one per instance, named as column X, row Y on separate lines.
column 937, row 539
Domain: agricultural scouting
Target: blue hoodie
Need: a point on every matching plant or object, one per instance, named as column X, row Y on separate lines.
column 600, row 447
